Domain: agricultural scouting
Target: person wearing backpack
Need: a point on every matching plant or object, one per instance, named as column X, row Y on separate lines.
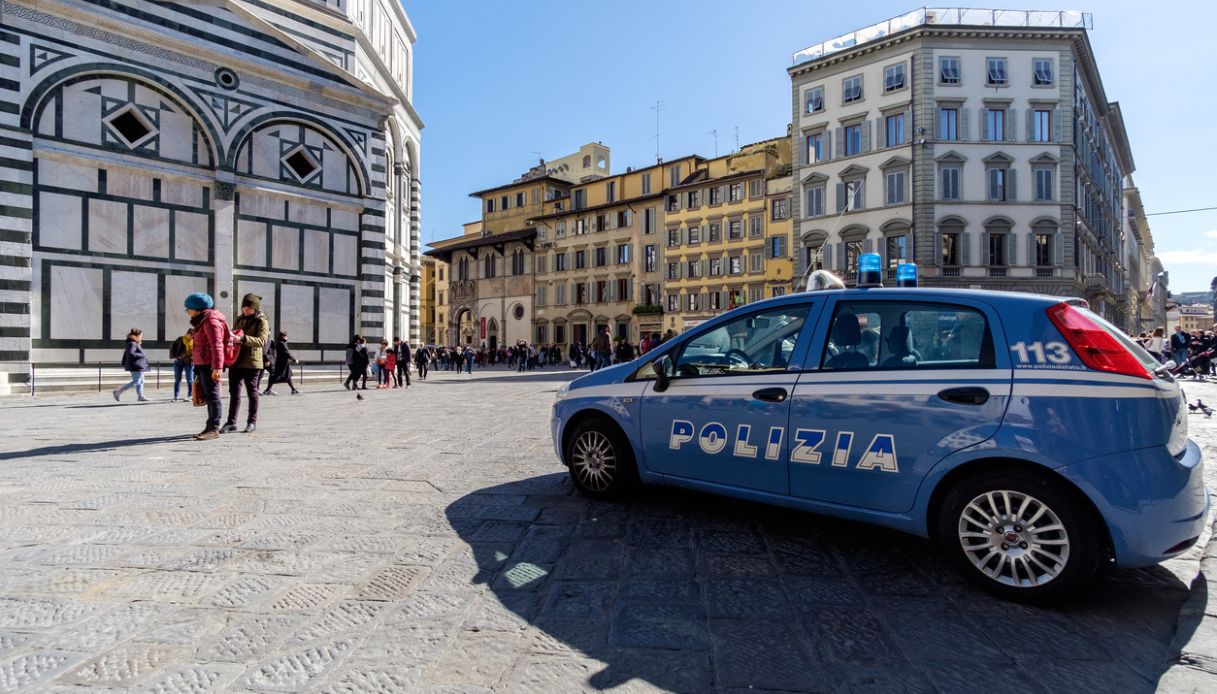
column 179, row 352
column 247, row 371
column 211, row 335
column 135, row 363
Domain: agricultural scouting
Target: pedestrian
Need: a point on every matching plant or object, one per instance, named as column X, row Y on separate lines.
column 1156, row 344
column 602, row 349
column 403, row 361
column 1179, row 343
column 247, row 371
column 521, row 352
column 470, row 355
column 207, row 354
column 352, row 360
column 282, row 371
column 180, row 353
column 135, row 363
column 422, row 360
column 390, row 370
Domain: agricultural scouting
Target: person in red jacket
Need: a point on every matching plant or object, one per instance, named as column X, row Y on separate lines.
column 210, row 336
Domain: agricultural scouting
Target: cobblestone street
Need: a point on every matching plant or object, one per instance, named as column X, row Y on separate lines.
column 429, row 540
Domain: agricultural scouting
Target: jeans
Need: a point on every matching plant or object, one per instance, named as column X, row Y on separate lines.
column 180, row 368
column 251, row 380
column 468, row 365
column 137, row 380
column 211, row 394
column 403, row 372
column 1180, row 356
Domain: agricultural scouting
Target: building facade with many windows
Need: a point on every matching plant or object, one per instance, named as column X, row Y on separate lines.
column 157, row 149
column 720, row 228
column 978, row 143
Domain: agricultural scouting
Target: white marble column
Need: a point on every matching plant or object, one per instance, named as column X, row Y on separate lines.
column 224, row 211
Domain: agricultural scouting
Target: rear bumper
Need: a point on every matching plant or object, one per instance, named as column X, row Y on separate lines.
column 1151, row 501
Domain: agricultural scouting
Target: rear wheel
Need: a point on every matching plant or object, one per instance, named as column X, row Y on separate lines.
column 1020, row 535
column 601, row 463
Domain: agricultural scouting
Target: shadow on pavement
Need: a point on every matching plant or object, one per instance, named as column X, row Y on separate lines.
column 691, row 593
column 92, row 447
column 506, row 377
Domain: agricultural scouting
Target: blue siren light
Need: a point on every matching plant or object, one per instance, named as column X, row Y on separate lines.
column 870, row 270
column 906, row 275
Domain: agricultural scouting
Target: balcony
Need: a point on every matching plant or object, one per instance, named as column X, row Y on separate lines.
column 950, row 272
column 997, row 272
column 954, row 16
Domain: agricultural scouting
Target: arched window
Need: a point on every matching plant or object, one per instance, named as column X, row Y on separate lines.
column 462, row 269
column 488, row 267
column 517, row 262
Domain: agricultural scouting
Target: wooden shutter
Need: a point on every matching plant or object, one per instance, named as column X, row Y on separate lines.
column 962, row 122
column 1011, row 249
column 840, row 142
column 826, row 146
column 827, row 259
column 937, row 248
column 840, row 255
column 1059, row 129
column 1031, row 245
column 1011, row 125
column 868, row 246
column 840, row 197
column 1030, row 124
column 1058, row 249
column 984, row 123
column 965, row 253
column 1011, row 188
column 866, row 136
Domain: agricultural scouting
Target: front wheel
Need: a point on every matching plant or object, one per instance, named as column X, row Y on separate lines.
column 1020, row 535
column 601, row 463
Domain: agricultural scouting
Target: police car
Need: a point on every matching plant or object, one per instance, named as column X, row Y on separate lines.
column 1026, row 435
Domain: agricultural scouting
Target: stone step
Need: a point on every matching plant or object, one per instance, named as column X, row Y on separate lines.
column 83, row 379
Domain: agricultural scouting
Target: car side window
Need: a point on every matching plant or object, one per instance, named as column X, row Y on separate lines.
column 907, row 335
column 754, row 343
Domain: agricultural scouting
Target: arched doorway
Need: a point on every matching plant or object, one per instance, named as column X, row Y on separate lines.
column 492, row 334
column 465, row 329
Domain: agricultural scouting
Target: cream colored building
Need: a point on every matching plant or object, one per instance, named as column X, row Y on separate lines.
column 600, row 256
column 978, row 143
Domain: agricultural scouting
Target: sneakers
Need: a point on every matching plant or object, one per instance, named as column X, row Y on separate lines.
column 228, row 428
column 116, row 393
column 207, row 435
column 296, row 392
column 143, row 399
column 269, row 392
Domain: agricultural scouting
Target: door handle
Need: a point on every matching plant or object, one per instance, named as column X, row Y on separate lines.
column 771, row 394
column 969, row 395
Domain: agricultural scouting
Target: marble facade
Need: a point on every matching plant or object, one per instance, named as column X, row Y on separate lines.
column 154, row 149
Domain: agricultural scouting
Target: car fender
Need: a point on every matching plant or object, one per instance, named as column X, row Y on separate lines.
column 617, row 401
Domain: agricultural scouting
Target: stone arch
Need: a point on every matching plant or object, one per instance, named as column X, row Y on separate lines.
column 41, row 95
column 355, row 159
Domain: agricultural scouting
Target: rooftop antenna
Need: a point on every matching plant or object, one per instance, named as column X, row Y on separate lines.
column 737, row 138
column 715, row 134
column 538, row 155
column 659, row 106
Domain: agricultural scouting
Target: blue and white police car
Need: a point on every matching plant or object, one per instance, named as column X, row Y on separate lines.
column 1026, row 435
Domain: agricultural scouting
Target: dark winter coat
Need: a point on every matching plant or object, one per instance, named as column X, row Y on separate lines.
column 282, row 361
column 257, row 334
column 133, row 357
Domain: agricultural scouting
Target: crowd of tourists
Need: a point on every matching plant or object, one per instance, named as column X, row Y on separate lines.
column 1194, row 352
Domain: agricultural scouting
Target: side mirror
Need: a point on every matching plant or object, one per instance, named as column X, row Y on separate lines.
column 662, row 367
column 1166, row 368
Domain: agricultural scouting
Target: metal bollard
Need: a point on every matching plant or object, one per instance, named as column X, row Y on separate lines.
column 98, row 377
column 158, row 376
column 33, row 377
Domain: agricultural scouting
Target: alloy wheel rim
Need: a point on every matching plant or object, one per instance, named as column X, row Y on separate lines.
column 1013, row 538
column 594, row 461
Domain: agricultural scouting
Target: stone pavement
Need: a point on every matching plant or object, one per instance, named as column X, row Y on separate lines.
column 428, row 540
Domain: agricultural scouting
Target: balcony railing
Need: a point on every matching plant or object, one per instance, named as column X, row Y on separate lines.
column 959, row 16
column 997, row 272
column 950, row 272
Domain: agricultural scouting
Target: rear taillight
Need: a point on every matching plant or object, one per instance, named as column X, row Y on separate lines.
column 1096, row 348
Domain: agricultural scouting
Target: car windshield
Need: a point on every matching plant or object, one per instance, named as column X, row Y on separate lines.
column 754, row 343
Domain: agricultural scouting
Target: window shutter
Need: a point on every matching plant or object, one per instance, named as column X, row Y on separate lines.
column 866, row 136
column 826, row 146
column 984, row 123
column 1031, row 248
column 1011, row 188
column 1011, row 249
column 937, row 247
column 881, row 133
column 840, row 142
column 938, row 124
column 964, row 114
column 827, row 256
column 1030, row 124
column 1011, row 123
column 1058, row 125
column 840, row 256
column 868, row 246
column 1058, row 249
column 965, row 254
column 840, row 197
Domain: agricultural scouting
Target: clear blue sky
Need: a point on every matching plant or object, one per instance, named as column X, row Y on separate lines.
column 497, row 82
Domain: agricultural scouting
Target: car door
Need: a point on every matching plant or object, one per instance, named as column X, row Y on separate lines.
column 722, row 418
column 895, row 385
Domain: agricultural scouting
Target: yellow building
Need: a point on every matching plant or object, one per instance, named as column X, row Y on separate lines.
column 428, row 300
column 721, row 225
column 599, row 256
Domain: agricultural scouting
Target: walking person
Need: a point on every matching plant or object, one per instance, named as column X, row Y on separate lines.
column 421, row 357
column 352, row 361
column 390, row 370
column 403, row 361
column 602, row 349
column 180, row 353
column 381, row 370
column 470, row 355
column 135, row 363
column 247, row 371
column 282, row 370
column 1179, row 342
column 207, row 355
column 1156, row 344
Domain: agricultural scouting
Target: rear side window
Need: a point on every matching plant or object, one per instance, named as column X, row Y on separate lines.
column 754, row 343
column 907, row 335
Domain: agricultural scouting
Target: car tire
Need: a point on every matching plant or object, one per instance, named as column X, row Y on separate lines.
column 600, row 460
column 1021, row 535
